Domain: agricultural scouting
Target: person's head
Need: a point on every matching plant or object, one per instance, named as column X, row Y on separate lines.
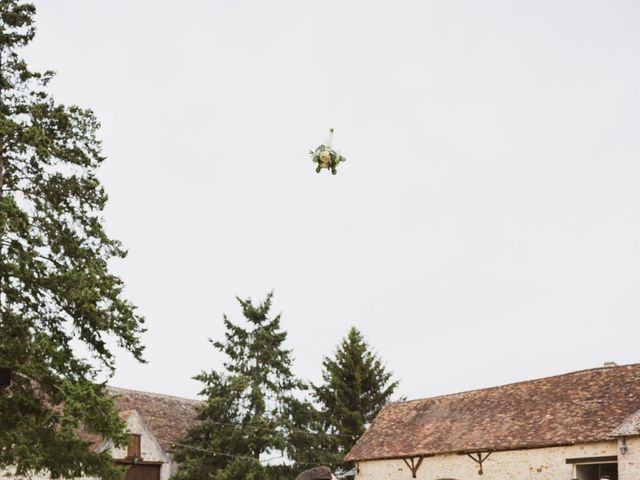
column 316, row 473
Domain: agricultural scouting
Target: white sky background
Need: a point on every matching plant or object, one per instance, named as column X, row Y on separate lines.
column 485, row 228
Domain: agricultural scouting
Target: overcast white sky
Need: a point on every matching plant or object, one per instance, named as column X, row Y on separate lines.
column 485, row 228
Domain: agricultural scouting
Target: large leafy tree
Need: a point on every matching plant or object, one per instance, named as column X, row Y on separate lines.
column 57, row 295
column 253, row 411
column 355, row 386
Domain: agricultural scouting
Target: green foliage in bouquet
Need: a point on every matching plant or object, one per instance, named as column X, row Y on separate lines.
column 327, row 158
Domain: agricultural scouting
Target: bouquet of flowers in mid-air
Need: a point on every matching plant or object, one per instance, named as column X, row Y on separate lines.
column 326, row 157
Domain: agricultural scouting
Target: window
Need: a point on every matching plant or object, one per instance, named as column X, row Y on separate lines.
column 134, row 450
column 595, row 468
column 597, row 471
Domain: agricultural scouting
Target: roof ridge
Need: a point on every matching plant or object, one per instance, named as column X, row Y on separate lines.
column 495, row 387
column 154, row 394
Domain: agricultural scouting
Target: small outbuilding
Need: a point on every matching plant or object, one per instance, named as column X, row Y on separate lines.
column 154, row 422
column 583, row 425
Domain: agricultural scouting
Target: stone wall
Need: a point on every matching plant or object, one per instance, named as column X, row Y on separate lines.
column 533, row 464
column 149, row 446
column 629, row 464
column 151, row 450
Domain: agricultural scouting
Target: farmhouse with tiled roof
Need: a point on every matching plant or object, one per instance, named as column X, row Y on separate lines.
column 154, row 422
column 583, row 425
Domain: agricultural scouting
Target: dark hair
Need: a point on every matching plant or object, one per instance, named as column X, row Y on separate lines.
column 315, row 473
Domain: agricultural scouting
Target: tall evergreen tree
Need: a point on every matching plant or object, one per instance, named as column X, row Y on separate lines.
column 356, row 385
column 56, row 291
column 252, row 410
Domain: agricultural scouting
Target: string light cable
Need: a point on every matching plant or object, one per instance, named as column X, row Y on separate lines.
column 254, row 429
column 242, row 457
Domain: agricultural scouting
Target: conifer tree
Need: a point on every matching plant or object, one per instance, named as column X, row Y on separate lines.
column 252, row 411
column 356, row 385
column 56, row 290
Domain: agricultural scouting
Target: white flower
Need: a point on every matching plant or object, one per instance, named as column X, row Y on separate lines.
column 325, row 158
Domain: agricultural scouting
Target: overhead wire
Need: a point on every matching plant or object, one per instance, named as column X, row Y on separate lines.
column 232, row 455
column 307, row 432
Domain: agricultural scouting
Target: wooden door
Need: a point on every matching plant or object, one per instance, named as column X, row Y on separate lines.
column 143, row 472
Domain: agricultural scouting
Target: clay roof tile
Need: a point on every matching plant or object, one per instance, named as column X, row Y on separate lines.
column 578, row 407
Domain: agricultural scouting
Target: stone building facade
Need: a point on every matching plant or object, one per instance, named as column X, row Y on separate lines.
column 144, row 458
column 154, row 422
column 583, row 425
